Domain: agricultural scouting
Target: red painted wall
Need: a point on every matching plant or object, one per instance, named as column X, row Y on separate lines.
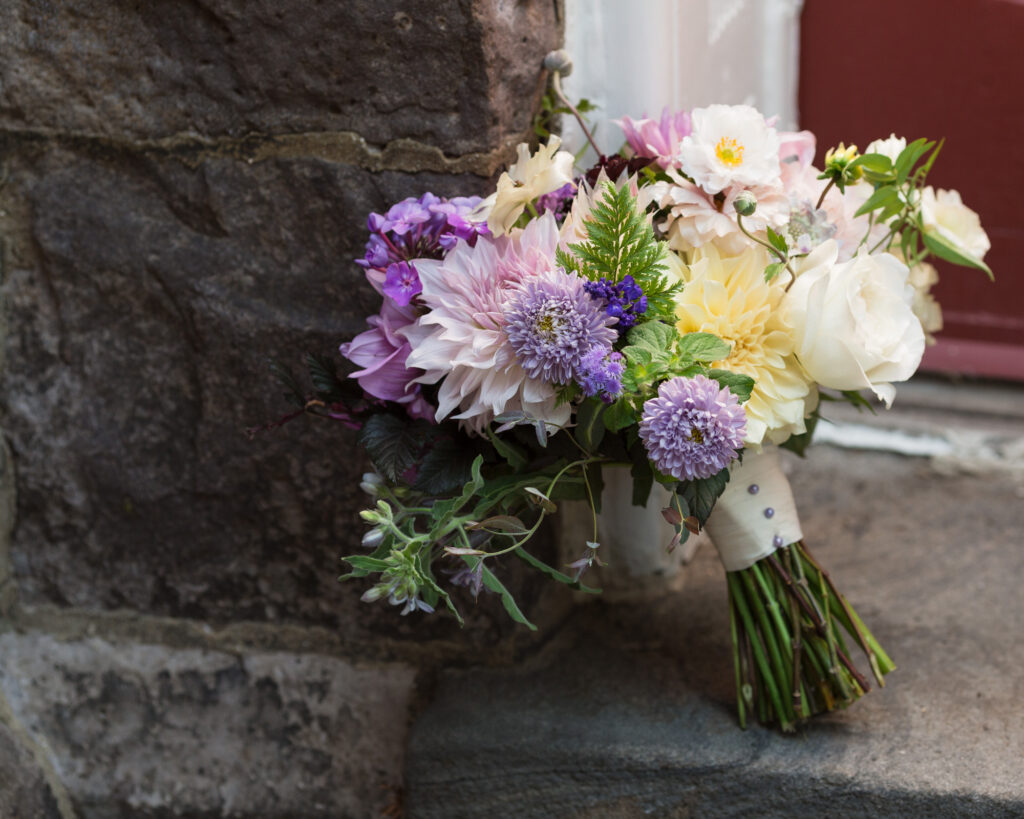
column 937, row 68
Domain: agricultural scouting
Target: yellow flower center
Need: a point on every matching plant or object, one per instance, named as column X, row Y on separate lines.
column 729, row 152
column 696, row 435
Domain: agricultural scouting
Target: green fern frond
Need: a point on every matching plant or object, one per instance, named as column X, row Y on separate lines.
column 620, row 242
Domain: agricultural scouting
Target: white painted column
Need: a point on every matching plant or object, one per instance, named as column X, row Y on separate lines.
column 635, row 57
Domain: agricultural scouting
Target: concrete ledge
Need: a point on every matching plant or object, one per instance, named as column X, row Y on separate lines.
column 630, row 712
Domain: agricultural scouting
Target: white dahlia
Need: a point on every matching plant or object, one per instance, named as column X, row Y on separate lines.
column 462, row 339
column 730, row 298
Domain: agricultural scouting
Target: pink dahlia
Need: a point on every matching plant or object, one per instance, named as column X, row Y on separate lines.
column 461, row 340
column 658, row 139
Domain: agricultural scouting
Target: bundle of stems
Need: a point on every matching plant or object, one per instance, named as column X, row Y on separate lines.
column 791, row 659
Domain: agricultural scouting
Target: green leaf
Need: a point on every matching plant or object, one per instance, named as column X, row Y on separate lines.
column 859, row 401
column 778, row 241
column 619, row 416
column 701, row 494
column 502, row 524
column 946, row 250
column 642, row 474
column 908, row 158
column 495, row 585
column 655, row 336
column 366, row 564
column 773, row 270
column 392, row 443
column 589, row 424
column 876, row 167
column 553, row 573
column 703, row 347
column 324, row 377
column 513, row 454
column 445, row 468
column 883, row 197
column 798, row 443
column 284, row 377
column 739, row 385
column 621, row 242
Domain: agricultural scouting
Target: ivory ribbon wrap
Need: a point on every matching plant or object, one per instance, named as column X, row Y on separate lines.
column 738, row 526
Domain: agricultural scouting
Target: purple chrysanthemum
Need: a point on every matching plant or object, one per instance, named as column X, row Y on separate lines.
column 693, row 428
column 600, row 373
column 551, row 324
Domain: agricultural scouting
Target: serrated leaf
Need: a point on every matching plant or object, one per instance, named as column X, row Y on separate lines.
column 445, row 468
column 655, row 336
column 739, row 385
column 286, row 379
column 946, row 250
column 773, row 270
column 325, row 379
column 703, row 347
column 513, row 454
column 391, row 443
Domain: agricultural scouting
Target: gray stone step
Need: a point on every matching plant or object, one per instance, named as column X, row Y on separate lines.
column 629, row 710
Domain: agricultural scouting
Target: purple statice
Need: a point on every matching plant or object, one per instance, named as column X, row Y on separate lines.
column 551, row 324
column 424, row 228
column 693, row 428
column 623, row 300
column 558, row 201
column 600, row 373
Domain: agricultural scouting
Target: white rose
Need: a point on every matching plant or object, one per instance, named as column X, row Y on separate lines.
column 943, row 214
column 853, row 323
column 891, row 147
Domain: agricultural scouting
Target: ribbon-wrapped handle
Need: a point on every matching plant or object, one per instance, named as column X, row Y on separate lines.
column 756, row 514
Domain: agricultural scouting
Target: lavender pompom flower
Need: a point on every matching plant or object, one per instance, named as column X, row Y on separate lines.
column 551, row 324
column 600, row 373
column 624, row 300
column 693, row 428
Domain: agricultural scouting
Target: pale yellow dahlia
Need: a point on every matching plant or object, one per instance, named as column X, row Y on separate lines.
column 729, row 297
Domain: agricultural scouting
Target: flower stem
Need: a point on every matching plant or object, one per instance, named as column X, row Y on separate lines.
column 824, row 193
column 556, row 85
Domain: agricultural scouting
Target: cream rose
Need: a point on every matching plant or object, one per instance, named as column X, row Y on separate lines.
column 943, row 214
column 853, row 323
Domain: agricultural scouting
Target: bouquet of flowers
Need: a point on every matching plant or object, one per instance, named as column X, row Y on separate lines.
column 683, row 308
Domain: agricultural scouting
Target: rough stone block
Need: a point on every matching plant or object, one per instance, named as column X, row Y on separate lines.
column 631, row 711
column 24, row 792
column 146, row 731
column 464, row 76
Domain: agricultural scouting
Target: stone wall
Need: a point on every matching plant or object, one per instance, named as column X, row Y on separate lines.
column 184, row 185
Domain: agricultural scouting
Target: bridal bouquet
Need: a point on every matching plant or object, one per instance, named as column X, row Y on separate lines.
column 682, row 308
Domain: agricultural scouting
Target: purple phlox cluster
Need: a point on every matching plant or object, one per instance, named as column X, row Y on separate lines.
column 694, row 427
column 624, row 300
column 558, row 201
column 424, row 228
column 402, row 282
column 551, row 324
column 600, row 373
column 658, row 139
